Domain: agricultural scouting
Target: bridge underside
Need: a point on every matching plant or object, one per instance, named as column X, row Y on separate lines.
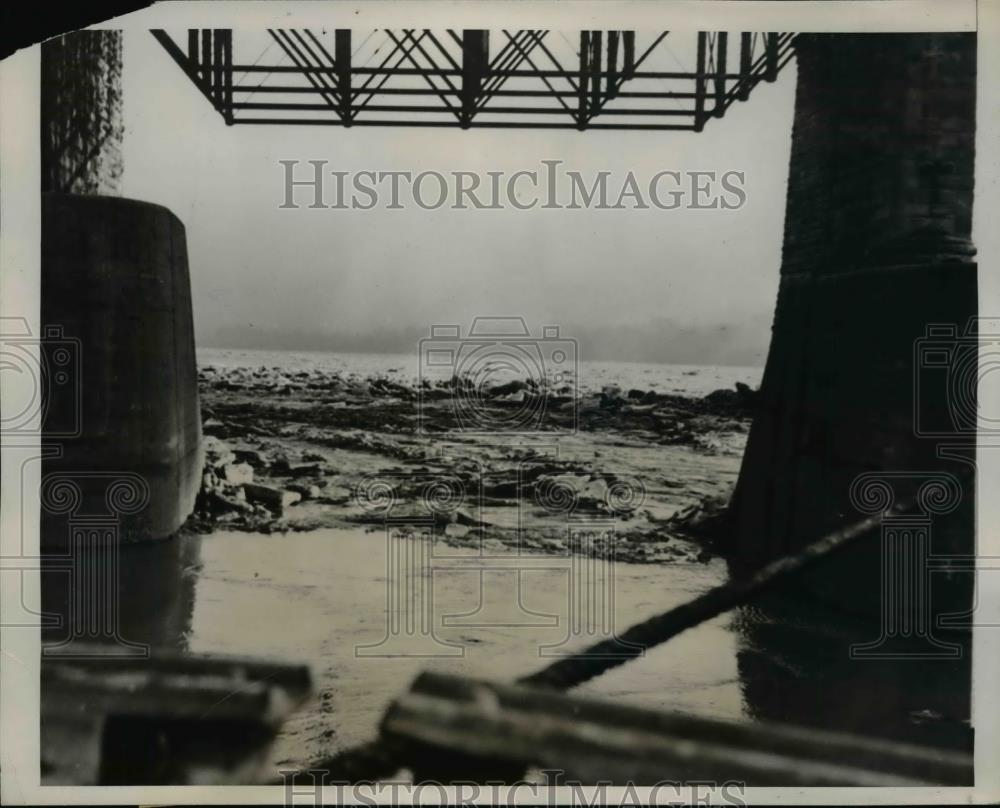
column 877, row 268
column 535, row 79
column 877, row 253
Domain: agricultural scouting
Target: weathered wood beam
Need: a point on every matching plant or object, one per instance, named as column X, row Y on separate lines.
column 590, row 740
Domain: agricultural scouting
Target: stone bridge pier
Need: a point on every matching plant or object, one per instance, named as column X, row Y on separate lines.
column 876, row 249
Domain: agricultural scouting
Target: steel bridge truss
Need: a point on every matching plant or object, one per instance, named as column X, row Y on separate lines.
column 524, row 79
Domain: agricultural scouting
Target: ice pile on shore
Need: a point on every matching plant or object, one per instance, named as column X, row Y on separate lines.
column 288, row 451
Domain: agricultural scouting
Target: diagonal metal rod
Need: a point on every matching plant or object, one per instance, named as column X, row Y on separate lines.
column 184, row 62
column 523, row 55
column 310, row 75
column 509, row 60
column 757, row 71
column 503, row 64
column 341, row 79
column 429, row 58
column 603, row 656
column 502, row 56
column 786, row 52
column 427, row 76
column 471, row 85
column 548, row 84
column 442, row 48
column 329, row 63
column 320, row 72
column 319, row 62
column 385, row 74
column 375, row 761
column 638, row 62
column 568, row 75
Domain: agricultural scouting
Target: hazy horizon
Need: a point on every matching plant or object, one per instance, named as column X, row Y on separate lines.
column 742, row 345
column 671, row 286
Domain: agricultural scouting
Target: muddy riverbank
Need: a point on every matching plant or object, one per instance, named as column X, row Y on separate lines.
column 336, row 530
column 316, row 450
column 329, row 501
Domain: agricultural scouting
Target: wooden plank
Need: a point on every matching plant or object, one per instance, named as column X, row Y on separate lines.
column 294, row 678
column 175, row 686
column 170, row 718
column 594, row 740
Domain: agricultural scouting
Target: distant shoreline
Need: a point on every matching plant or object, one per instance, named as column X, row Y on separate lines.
column 200, row 349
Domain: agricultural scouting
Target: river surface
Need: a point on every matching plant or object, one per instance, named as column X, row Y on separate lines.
column 367, row 609
column 323, row 598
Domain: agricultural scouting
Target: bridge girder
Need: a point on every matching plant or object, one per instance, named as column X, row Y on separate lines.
column 528, row 79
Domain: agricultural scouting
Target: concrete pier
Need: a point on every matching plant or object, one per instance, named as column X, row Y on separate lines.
column 81, row 113
column 121, row 399
column 877, row 280
column 115, row 283
column 876, row 249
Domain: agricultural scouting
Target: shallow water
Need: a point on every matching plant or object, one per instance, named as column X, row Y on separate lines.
column 321, row 598
column 324, row 596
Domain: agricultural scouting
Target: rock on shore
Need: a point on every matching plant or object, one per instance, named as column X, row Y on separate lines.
column 288, row 450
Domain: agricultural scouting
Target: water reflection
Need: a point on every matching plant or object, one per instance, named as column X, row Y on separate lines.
column 795, row 666
column 155, row 589
column 316, row 597
column 320, row 596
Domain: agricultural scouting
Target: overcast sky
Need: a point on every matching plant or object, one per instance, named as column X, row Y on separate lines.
column 668, row 285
